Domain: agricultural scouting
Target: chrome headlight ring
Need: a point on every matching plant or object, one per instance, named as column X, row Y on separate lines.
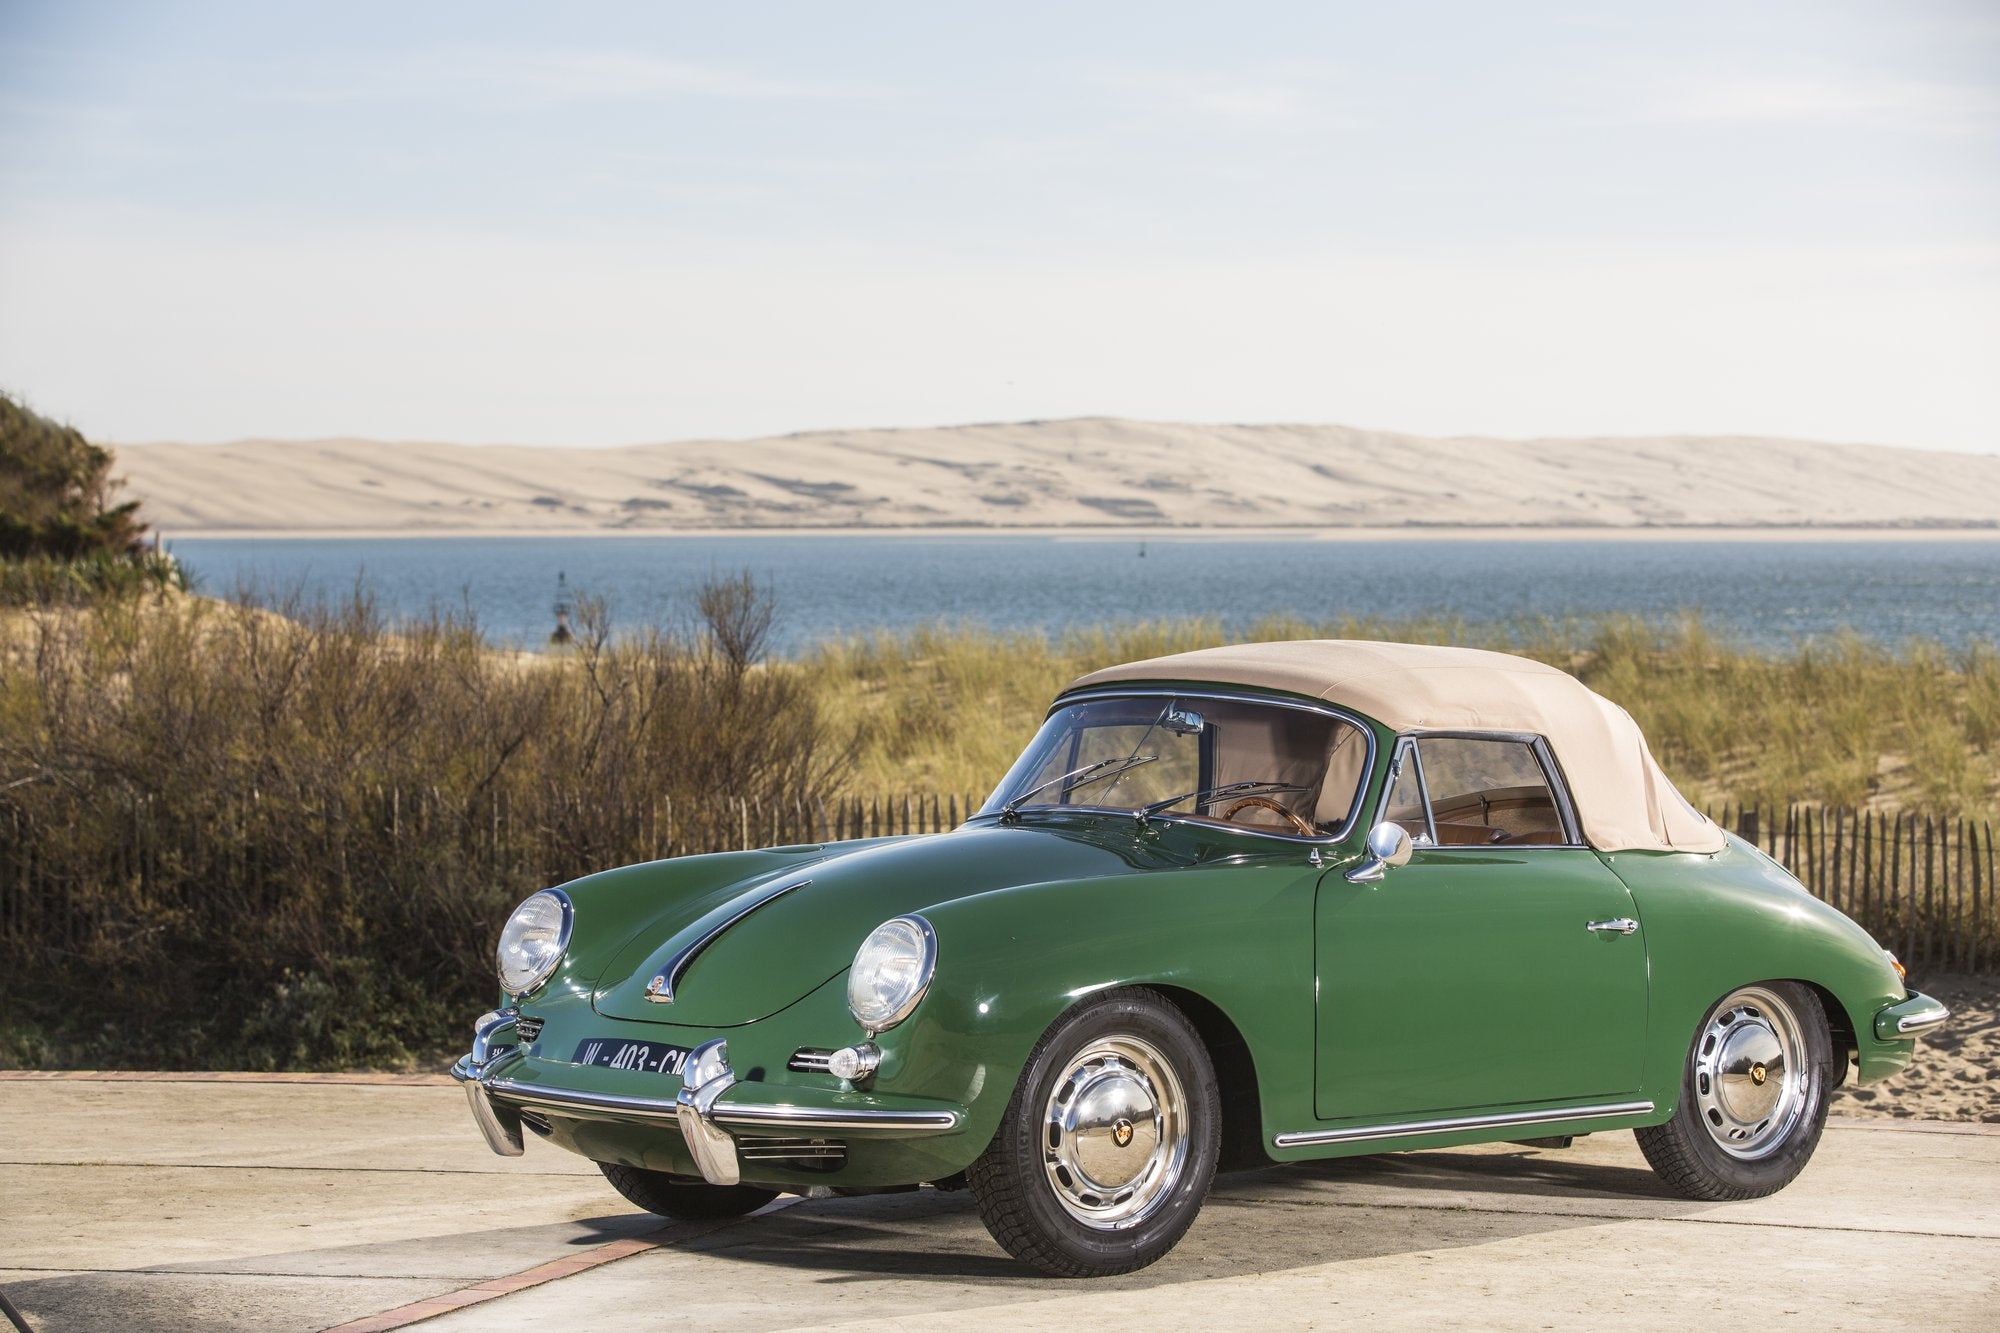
column 534, row 941
column 892, row 969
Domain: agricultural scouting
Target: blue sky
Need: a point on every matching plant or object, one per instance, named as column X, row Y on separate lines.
column 611, row 224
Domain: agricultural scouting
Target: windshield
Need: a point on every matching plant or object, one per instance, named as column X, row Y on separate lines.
column 1256, row 765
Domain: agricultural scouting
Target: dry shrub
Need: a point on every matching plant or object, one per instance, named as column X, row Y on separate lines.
column 286, row 836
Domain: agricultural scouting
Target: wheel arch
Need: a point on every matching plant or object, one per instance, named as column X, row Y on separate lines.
column 1839, row 1026
column 1235, row 1077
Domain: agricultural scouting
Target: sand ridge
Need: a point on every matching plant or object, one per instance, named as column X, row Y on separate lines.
column 1095, row 473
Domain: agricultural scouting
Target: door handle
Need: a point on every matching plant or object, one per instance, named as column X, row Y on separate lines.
column 1623, row 925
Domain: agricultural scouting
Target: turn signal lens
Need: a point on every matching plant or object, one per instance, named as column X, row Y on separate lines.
column 1902, row 973
column 854, row 1063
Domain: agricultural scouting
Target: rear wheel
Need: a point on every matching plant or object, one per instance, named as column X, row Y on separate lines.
column 683, row 1197
column 1753, row 1096
column 1109, row 1143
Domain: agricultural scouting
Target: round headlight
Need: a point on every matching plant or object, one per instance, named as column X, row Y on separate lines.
column 890, row 973
column 533, row 941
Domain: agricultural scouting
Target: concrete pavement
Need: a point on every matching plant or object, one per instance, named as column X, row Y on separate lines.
column 176, row 1205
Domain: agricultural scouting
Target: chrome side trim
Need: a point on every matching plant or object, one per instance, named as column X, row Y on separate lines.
column 1412, row 1128
column 747, row 1115
column 660, row 990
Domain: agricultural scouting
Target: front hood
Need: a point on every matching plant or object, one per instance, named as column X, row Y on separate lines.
column 781, row 951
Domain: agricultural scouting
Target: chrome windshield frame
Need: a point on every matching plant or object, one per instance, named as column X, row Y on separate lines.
column 1351, row 718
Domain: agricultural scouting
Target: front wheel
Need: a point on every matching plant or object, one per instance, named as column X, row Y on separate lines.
column 1753, row 1096
column 682, row 1197
column 1110, row 1141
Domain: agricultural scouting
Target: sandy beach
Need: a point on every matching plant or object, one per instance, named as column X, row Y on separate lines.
column 1411, row 533
column 1078, row 478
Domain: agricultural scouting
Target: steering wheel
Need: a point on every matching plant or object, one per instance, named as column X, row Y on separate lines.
column 1266, row 803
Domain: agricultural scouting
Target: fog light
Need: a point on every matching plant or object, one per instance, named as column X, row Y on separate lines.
column 854, row 1063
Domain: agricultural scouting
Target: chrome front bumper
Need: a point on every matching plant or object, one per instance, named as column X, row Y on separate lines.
column 707, row 1121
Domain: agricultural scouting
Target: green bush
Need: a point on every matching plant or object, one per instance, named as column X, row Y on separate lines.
column 62, row 541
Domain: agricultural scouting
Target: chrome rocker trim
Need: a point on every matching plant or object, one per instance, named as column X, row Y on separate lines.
column 1412, row 1128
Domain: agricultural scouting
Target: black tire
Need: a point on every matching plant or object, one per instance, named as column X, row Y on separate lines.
column 1722, row 1143
column 683, row 1197
column 1124, row 1070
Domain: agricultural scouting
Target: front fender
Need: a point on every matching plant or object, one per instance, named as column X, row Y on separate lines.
column 1013, row 961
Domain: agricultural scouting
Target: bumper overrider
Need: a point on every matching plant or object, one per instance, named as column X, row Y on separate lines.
column 711, row 1109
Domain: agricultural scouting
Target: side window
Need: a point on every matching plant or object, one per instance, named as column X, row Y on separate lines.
column 1485, row 792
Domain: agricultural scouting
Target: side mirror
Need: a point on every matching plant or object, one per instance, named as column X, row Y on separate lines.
column 1388, row 845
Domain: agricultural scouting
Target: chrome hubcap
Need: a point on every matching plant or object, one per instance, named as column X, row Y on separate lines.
column 1115, row 1133
column 1750, row 1073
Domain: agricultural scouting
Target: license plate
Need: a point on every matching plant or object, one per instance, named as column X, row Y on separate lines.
column 652, row 1057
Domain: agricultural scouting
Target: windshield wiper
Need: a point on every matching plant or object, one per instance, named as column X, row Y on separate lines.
column 1010, row 813
column 1146, row 812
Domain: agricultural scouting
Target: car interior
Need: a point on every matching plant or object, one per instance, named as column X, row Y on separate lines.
column 1473, row 791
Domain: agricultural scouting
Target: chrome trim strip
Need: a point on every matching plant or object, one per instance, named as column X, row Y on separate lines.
column 748, row 1114
column 755, row 1115
column 661, row 989
column 1915, row 1025
column 528, row 1094
column 1412, row 1128
column 1353, row 719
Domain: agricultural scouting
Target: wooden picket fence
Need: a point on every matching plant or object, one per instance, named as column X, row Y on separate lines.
column 1923, row 885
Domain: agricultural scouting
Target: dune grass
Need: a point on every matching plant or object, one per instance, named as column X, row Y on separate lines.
column 1842, row 720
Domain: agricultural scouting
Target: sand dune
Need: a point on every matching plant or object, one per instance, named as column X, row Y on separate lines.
column 1059, row 474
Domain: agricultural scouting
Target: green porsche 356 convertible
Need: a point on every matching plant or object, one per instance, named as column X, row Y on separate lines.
column 1243, row 905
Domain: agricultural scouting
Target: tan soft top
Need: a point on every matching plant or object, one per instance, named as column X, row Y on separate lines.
column 1623, row 800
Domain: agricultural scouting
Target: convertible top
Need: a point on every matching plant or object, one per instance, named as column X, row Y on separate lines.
column 1623, row 801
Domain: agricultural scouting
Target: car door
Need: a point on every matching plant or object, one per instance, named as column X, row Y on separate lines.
column 1503, row 964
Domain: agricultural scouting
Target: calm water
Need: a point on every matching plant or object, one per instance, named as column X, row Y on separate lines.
column 1767, row 593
